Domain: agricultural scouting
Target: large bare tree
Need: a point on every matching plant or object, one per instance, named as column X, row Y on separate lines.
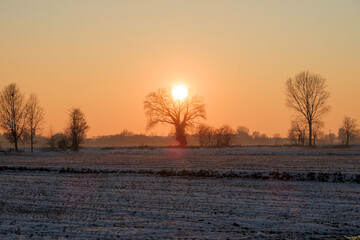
column 34, row 119
column 12, row 113
column 349, row 125
column 76, row 128
column 307, row 95
column 161, row 107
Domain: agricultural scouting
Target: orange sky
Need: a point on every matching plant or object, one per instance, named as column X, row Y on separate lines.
column 106, row 56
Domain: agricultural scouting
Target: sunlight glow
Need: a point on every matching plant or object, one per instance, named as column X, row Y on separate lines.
column 179, row 92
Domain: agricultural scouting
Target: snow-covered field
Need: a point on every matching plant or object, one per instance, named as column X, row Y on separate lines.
column 246, row 193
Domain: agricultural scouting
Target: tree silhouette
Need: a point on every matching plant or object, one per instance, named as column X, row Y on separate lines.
column 160, row 107
column 316, row 131
column 297, row 132
column 12, row 113
column 224, row 135
column 307, row 95
column 349, row 126
column 77, row 128
column 51, row 139
column 206, row 135
column 35, row 116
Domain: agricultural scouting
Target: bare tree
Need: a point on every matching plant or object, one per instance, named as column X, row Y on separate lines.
column 58, row 141
column 76, row 128
column 160, row 107
column 51, row 139
column 307, row 95
column 297, row 132
column 34, row 119
column 255, row 135
column 349, row 126
column 206, row 135
column 316, row 132
column 242, row 135
column 62, row 141
column 224, row 135
column 126, row 133
column 12, row 113
column 242, row 130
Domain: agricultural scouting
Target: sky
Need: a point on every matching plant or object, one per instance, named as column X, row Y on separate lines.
column 106, row 56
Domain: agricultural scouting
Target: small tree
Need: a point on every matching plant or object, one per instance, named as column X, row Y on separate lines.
column 224, row 135
column 206, row 135
column 12, row 113
column 349, row 126
column 62, row 141
column 243, row 136
column 317, row 126
column 297, row 132
column 161, row 107
column 307, row 95
column 34, row 119
column 51, row 140
column 76, row 128
column 58, row 141
column 126, row 133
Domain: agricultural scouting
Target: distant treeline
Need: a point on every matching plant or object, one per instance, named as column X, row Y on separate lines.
column 127, row 138
column 240, row 137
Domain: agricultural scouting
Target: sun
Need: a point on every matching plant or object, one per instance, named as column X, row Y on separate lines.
column 179, row 92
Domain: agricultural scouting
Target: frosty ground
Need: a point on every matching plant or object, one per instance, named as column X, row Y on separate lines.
column 161, row 193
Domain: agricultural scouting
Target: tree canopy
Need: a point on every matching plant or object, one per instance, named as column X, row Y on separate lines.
column 161, row 107
column 307, row 95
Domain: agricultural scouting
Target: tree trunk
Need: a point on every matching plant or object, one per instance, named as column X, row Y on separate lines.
column 182, row 141
column 180, row 136
column 32, row 143
column 310, row 133
column 16, row 144
column 75, row 143
column 347, row 139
